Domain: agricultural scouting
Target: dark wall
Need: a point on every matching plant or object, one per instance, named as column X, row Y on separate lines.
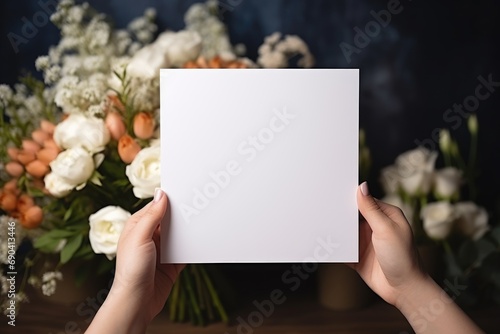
column 427, row 59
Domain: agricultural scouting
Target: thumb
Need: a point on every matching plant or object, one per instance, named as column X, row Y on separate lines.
column 371, row 210
column 148, row 223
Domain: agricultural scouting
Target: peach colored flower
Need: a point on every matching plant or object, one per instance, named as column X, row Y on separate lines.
column 115, row 125
column 114, row 103
column 47, row 155
column 25, row 157
column 47, row 127
column 13, row 152
column 11, row 187
column 50, row 143
column 37, row 169
column 32, row 218
column 127, row 148
column 14, row 169
column 39, row 136
column 31, row 146
column 144, row 125
column 8, row 201
column 24, row 202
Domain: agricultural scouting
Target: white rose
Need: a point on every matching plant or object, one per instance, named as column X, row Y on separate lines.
column 390, row 179
column 57, row 186
column 144, row 172
column 415, row 169
column 106, row 225
column 447, row 182
column 473, row 220
column 179, row 47
column 71, row 169
column 90, row 133
column 397, row 201
column 438, row 219
column 146, row 63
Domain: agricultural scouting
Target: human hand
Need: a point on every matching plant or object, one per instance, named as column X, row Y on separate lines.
column 388, row 259
column 141, row 284
column 389, row 264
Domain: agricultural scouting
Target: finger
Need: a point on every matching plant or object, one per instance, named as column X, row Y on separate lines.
column 152, row 216
column 393, row 212
column 370, row 209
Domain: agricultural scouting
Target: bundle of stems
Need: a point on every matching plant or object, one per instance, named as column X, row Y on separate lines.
column 194, row 298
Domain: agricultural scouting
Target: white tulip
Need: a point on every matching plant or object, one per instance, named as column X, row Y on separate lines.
column 438, row 219
column 106, row 226
column 447, row 182
column 473, row 220
column 79, row 130
column 144, row 172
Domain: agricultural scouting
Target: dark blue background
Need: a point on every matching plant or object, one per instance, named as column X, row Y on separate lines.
column 424, row 61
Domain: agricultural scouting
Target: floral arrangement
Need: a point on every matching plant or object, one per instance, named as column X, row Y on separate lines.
column 440, row 205
column 80, row 150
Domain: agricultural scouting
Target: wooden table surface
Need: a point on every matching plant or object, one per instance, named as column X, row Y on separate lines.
column 296, row 316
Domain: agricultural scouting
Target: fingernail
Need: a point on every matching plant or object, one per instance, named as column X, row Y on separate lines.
column 364, row 189
column 158, row 195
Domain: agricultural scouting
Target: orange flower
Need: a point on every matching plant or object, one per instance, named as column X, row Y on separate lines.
column 14, row 169
column 50, row 143
column 32, row 218
column 24, row 202
column 37, row 169
column 11, row 187
column 127, row 148
column 47, row 127
column 25, row 157
column 13, row 152
column 115, row 125
column 144, row 125
column 8, row 201
column 31, row 146
column 114, row 104
column 39, row 136
column 47, row 155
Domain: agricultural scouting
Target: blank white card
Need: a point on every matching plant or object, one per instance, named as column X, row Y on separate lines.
column 260, row 165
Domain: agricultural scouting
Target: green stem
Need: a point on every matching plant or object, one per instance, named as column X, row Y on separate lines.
column 182, row 305
column 192, row 297
column 472, row 166
column 174, row 301
column 214, row 295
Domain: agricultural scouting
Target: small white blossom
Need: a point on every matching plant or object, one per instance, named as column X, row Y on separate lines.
column 5, row 94
column 42, row 63
column 49, row 282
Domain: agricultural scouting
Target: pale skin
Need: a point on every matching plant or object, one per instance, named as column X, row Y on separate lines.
column 388, row 264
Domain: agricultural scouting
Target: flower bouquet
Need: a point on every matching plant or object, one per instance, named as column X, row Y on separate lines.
column 80, row 150
column 440, row 205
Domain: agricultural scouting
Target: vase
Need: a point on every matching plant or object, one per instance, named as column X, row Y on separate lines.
column 341, row 288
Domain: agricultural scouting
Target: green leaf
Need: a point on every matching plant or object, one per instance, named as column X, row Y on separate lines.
column 71, row 247
column 67, row 214
column 46, row 244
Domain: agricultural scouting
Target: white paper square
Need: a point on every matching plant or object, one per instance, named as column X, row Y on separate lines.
column 287, row 143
